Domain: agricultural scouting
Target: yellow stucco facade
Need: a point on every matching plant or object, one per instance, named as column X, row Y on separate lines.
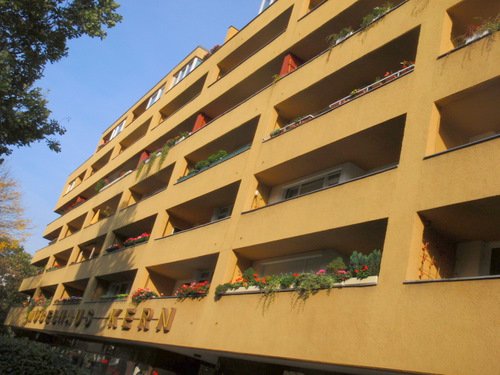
column 408, row 164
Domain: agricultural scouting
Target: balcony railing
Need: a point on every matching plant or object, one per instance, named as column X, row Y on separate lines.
column 229, row 156
column 352, row 96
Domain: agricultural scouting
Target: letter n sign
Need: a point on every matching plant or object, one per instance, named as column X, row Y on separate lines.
column 165, row 320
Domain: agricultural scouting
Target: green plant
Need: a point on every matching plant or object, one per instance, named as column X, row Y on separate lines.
column 221, row 154
column 276, row 77
column 376, row 13
column 309, row 283
column 151, row 161
column 333, row 38
column 39, row 302
column 288, row 281
column 336, row 265
column 107, row 212
column 100, row 184
column 193, row 290
column 119, row 297
column 139, row 168
column 362, row 265
column 163, row 155
column 22, row 356
column 275, row 132
column 373, row 261
column 201, row 164
column 136, row 240
column 357, row 261
column 491, row 25
column 141, row 295
column 354, row 92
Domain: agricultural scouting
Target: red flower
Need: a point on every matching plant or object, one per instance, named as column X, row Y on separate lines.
column 296, row 275
column 356, row 271
column 255, row 275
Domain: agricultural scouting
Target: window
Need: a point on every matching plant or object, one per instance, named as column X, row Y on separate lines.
column 188, row 68
column 222, row 212
column 118, row 288
column 265, row 4
column 71, row 186
column 298, row 263
column 312, row 185
column 155, row 97
column 117, row 130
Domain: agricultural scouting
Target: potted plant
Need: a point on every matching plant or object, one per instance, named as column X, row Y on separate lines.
column 136, row 240
column 193, row 290
column 113, row 247
column 339, row 37
column 143, row 294
column 376, row 13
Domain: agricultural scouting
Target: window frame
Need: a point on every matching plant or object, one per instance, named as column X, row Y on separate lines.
column 155, row 97
column 285, row 194
column 117, row 130
column 185, row 70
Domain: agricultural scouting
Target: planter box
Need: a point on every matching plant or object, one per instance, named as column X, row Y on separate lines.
column 242, row 290
column 370, row 280
column 477, row 36
column 340, row 40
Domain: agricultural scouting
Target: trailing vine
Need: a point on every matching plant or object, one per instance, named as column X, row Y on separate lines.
column 163, row 154
column 152, row 159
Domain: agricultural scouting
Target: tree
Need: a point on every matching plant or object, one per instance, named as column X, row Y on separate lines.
column 32, row 34
column 14, row 267
column 12, row 223
column 14, row 261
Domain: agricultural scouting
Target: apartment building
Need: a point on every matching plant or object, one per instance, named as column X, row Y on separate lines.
column 318, row 133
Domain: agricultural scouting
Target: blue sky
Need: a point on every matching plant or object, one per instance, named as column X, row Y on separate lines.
column 100, row 80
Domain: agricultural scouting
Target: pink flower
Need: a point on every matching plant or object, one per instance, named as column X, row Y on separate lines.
column 321, row 272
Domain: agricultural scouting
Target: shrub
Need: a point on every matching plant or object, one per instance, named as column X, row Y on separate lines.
column 336, row 265
column 221, row 154
column 100, row 184
column 21, row 356
column 201, row 164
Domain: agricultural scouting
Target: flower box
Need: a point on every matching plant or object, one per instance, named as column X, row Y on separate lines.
column 242, row 289
column 477, row 36
column 353, row 281
column 341, row 39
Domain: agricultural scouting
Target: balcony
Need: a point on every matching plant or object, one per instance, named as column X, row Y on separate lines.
column 466, row 118
column 132, row 234
column 356, row 156
column 113, row 287
column 470, row 21
column 460, row 241
column 355, row 94
column 72, row 293
column 314, row 256
column 89, row 250
column 202, row 210
column 251, row 46
column 74, row 226
column 105, row 209
column 150, row 185
column 166, row 279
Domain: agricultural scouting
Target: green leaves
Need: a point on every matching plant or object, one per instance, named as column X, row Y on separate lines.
column 21, row 356
column 32, row 34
